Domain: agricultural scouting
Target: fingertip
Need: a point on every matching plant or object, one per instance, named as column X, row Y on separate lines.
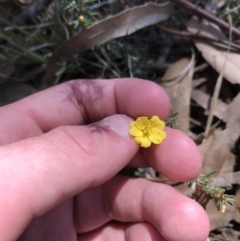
column 189, row 219
column 196, row 218
column 176, row 216
column 177, row 157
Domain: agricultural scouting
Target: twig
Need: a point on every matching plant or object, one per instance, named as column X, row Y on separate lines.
column 191, row 36
column 42, row 25
column 198, row 139
column 106, row 65
column 206, row 15
column 40, row 46
column 218, row 86
column 117, row 70
column 130, row 66
column 232, row 10
column 99, row 5
column 201, row 67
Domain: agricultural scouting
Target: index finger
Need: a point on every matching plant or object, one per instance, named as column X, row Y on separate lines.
column 87, row 101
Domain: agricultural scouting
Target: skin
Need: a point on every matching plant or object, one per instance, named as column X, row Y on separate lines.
column 61, row 151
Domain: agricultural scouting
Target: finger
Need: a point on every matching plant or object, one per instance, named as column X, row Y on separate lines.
column 81, row 102
column 57, row 223
column 123, row 232
column 139, row 200
column 39, row 173
column 177, row 157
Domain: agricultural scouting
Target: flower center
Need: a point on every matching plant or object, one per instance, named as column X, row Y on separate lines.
column 147, row 130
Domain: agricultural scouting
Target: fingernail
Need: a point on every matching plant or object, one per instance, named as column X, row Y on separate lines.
column 118, row 123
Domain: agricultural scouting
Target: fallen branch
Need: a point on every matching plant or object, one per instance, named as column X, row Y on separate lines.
column 207, row 15
column 198, row 37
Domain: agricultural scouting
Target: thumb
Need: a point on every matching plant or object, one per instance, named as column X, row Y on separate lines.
column 39, row 173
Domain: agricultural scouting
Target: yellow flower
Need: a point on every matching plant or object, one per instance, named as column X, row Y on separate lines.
column 147, row 131
column 223, row 208
column 81, row 18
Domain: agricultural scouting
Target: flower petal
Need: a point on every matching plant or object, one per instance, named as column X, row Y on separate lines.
column 157, row 136
column 137, row 124
column 143, row 141
column 143, row 121
column 134, row 131
column 156, row 122
column 223, row 208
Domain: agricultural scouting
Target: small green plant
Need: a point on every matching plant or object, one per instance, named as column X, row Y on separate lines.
column 78, row 15
column 206, row 190
column 171, row 121
column 70, row 5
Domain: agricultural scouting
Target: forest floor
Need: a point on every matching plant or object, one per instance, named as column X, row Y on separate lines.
column 190, row 48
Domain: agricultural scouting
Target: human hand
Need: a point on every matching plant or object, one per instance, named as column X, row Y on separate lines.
column 61, row 151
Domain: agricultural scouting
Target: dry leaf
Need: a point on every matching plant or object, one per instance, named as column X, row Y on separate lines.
column 198, row 82
column 218, row 157
column 227, row 178
column 232, row 115
column 213, row 5
column 237, row 199
column 204, row 100
column 218, row 219
column 213, row 55
column 117, row 26
column 177, row 82
column 219, row 151
column 205, row 146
